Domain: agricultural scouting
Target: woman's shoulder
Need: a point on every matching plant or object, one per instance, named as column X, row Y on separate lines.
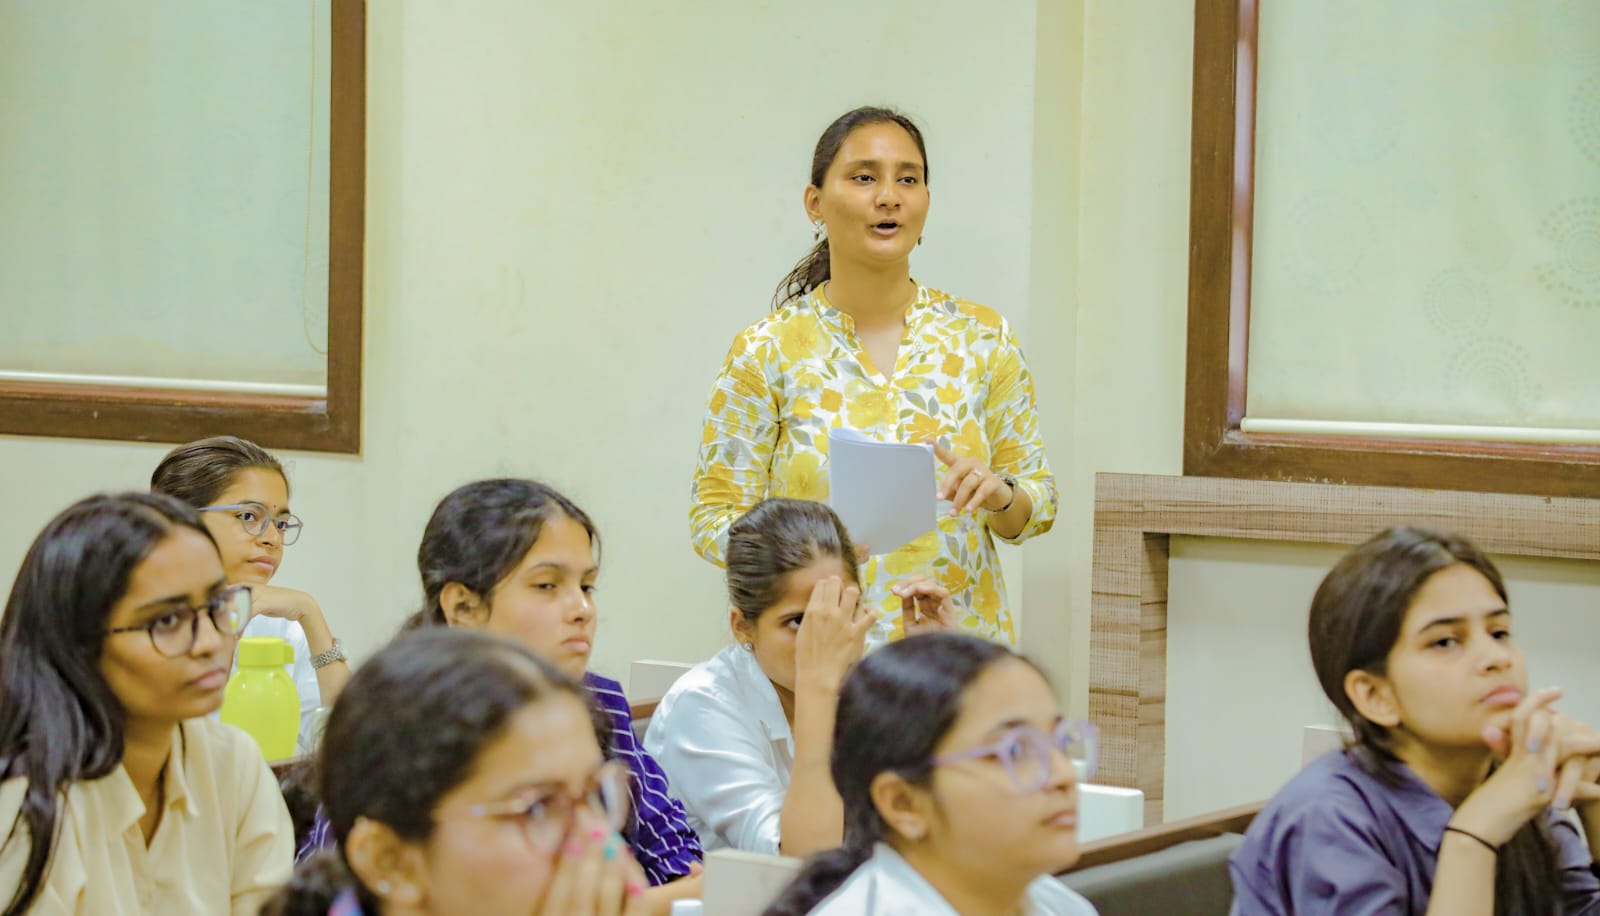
column 1047, row 896
column 1333, row 795
column 966, row 310
column 716, row 680
column 216, row 748
column 770, row 327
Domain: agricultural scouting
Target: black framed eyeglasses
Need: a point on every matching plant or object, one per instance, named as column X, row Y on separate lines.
column 256, row 519
column 174, row 633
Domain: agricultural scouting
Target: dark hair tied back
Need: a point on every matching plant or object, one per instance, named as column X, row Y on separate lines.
column 894, row 710
column 480, row 532
column 1356, row 620
column 813, row 269
column 200, row 471
column 775, row 538
column 443, row 695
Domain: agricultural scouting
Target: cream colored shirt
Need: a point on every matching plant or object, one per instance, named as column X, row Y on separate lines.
column 224, row 844
column 800, row 372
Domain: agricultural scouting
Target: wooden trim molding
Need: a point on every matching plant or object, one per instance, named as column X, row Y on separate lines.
column 1221, row 202
column 1125, row 846
column 1135, row 517
column 329, row 424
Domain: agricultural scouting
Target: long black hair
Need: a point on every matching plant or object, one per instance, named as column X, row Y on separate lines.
column 894, row 709
column 775, row 538
column 814, row 269
column 480, row 532
column 443, row 695
column 59, row 720
column 200, row 471
column 1356, row 620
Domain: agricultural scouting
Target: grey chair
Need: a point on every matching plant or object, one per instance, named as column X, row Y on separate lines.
column 1176, row 869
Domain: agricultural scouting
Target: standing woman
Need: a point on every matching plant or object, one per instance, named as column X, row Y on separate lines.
column 855, row 342
column 119, row 796
column 242, row 493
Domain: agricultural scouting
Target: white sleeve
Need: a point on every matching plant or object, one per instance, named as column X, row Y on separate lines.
column 305, row 684
column 722, row 768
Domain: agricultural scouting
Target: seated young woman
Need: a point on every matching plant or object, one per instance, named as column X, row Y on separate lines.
column 242, row 493
column 960, row 783
column 119, row 796
column 517, row 559
column 1453, row 796
column 502, row 805
column 746, row 735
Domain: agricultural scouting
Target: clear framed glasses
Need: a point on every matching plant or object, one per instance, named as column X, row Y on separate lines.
column 173, row 633
column 255, row 519
column 545, row 815
column 1026, row 753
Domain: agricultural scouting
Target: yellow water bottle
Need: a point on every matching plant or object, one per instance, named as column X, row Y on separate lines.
column 261, row 699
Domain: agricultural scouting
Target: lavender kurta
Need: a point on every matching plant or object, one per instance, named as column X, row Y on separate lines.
column 1338, row 840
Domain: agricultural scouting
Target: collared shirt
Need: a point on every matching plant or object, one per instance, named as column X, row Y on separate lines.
column 661, row 837
column 1337, row 839
column 224, row 843
column 300, row 671
column 801, row 371
column 887, row 885
column 721, row 735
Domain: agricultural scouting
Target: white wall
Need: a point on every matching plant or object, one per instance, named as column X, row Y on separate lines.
column 573, row 207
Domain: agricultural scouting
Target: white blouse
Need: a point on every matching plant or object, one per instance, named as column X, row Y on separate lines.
column 887, row 885
column 722, row 738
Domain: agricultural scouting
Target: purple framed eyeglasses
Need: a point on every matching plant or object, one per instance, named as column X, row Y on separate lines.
column 1025, row 752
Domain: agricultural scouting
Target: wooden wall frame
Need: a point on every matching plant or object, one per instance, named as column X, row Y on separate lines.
column 331, row 423
column 1221, row 202
column 1135, row 517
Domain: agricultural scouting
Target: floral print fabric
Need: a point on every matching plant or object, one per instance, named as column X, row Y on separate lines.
column 801, row 371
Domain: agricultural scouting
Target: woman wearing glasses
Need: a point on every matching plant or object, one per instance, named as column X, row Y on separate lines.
column 242, row 493
column 504, row 804
column 518, row 559
column 118, row 795
column 960, row 787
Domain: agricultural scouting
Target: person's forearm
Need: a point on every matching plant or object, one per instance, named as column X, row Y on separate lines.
column 812, row 818
column 1009, row 524
column 331, row 677
column 1463, row 882
column 658, row 900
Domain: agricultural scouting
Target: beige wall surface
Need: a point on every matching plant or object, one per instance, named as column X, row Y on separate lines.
column 572, row 209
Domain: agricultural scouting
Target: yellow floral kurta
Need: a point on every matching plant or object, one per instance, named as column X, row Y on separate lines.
column 801, row 371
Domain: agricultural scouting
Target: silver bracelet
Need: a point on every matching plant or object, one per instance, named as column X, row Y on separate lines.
column 334, row 653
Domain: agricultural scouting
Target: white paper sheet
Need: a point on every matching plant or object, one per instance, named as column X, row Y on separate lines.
column 882, row 491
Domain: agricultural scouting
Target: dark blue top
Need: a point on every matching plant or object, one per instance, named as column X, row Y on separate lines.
column 659, row 837
column 1337, row 839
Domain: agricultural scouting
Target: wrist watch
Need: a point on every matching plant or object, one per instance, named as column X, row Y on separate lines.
column 1012, row 483
column 334, row 653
